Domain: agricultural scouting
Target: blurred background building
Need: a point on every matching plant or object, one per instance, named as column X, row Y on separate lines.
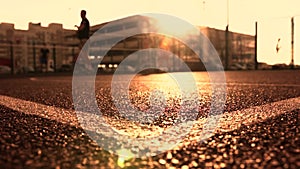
column 20, row 49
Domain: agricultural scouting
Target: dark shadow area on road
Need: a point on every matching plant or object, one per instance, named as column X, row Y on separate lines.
column 30, row 141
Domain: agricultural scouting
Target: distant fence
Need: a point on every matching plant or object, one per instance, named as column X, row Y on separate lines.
column 25, row 57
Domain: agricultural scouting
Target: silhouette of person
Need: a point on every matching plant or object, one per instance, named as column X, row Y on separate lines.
column 83, row 35
column 83, row 29
column 44, row 58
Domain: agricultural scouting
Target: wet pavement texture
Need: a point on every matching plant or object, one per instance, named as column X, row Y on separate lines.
column 32, row 141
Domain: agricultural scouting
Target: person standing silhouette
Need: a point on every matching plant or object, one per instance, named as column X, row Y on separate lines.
column 83, row 35
column 83, row 29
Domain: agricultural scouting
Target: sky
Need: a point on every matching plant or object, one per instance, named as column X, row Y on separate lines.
column 273, row 17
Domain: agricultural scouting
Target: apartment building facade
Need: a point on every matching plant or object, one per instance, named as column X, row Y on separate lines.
column 22, row 47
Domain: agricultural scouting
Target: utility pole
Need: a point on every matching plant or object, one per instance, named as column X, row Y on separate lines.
column 227, row 39
column 292, row 43
column 255, row 52
column 226, row 48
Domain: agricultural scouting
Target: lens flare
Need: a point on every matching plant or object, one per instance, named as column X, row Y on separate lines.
column 124, row 155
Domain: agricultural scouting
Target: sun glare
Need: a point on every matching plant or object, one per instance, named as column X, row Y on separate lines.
column 175, row 27
column 165, row 44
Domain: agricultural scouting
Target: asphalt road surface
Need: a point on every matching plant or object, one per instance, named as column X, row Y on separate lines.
column 258, row 128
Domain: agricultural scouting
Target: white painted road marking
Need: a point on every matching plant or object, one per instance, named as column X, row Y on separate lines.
column 230, row 121
column 62, row 115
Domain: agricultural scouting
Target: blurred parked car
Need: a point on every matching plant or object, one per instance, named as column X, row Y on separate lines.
column 280, row 66
column 5, row 69
column 66, row 68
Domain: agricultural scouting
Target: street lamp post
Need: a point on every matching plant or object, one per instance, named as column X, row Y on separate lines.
column 227, row 39
column 292, row 43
